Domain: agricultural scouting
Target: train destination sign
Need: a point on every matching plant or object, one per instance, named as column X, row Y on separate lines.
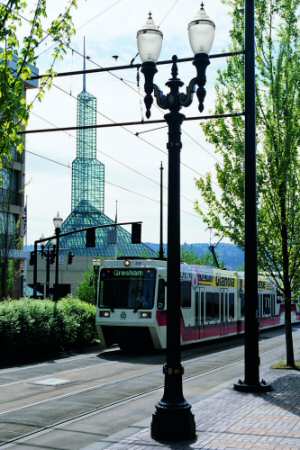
column 127, row 273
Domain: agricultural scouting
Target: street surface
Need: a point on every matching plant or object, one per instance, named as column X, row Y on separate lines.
column 74, row 402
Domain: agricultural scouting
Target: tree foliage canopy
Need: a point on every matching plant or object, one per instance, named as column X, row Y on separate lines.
column 190, row 257
column 17, row 56
column 278, row 138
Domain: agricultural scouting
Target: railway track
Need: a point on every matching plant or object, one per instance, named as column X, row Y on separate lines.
column 112, row 394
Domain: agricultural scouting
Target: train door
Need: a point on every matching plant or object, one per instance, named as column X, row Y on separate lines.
column 199, row 310
column 223, row 306
column 202, row 307
column 197, row 307
column 197, row 313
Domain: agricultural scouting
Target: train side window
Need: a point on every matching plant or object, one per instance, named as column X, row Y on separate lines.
column 212, row 307
column 260, row 305
column 202, row 312
column 273, row 305
column 266, row 305
column 222, row 307
column 231, row 315
column 186, row 294
column 161, row 294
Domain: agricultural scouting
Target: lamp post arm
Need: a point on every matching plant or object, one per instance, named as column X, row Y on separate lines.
column 187, row 98
column 161, row 98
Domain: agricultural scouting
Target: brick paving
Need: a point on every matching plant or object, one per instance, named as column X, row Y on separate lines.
column 233, row 420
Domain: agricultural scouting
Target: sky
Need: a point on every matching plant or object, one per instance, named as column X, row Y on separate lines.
column 110, row 28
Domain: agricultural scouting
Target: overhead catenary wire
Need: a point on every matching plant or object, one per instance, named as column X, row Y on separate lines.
column 137, row 133
column 96, row 16
column 126, row 82
column 201, row 146
column 117, row 161
column 132, row 133
column 169, row 11
column 142, row 117
column 139, row 94
column 134, row 89
column 130, row 66
column 68, row 166
column 114, row 124
column 122, row 80
column 137, row 91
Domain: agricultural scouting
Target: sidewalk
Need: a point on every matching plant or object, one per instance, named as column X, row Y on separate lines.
column 233, row 420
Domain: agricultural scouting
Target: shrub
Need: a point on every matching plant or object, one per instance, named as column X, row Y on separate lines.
column 87, row 289
column 29, row 327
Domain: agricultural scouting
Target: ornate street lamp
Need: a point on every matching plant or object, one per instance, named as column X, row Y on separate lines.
column 173, row 419
column 57, row 222
column 49, row 253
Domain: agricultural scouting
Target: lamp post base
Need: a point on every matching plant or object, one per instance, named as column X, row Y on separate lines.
column 173, row 423
column 259, row 387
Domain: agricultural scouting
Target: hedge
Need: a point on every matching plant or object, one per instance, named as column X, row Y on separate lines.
column 39, row 327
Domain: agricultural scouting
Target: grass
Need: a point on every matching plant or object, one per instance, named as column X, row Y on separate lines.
column 283, row 365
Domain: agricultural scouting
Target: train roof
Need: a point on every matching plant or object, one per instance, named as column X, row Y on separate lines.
column 162, row 264
column 208, row 273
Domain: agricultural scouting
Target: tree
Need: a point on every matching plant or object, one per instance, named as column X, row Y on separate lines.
column 278, row 170
column 190, row 257
column 17, row 56
column 87, row 289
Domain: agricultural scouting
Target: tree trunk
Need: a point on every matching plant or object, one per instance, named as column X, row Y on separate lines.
column 290, row 359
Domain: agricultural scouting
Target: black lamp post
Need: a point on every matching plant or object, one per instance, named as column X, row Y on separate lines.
column 173, row 419
column 49, row 253
column 35, row 258
column 57, row 221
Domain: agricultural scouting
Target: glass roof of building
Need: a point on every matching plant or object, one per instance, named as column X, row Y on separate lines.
column 86, row 215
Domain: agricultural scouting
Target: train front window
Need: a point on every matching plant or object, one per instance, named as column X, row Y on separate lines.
column 127, row 288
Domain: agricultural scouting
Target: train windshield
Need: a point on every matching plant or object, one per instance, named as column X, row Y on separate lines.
column 127, row 288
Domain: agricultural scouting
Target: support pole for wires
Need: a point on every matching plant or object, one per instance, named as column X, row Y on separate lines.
column 161, row 244
column 251, row 381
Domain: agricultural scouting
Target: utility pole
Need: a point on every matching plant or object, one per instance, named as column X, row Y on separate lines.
column 161, row 244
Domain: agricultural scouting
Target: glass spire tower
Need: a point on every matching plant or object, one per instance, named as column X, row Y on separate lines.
column 87, row 172
column 88, row 194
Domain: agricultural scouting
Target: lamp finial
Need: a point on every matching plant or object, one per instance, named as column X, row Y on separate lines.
column 202, row 6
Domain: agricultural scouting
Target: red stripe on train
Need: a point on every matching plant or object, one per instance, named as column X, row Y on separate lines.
column 194, row 333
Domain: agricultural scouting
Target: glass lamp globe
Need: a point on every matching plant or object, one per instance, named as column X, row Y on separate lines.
column 149, row 41
column 201, row 32
column 57, row 221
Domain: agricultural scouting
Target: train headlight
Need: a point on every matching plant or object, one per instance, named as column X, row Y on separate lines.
column 126, row 263
column 145, row 315
column 104, row 314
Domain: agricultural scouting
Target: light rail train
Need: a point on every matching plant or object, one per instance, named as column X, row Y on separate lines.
column 132, row 297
